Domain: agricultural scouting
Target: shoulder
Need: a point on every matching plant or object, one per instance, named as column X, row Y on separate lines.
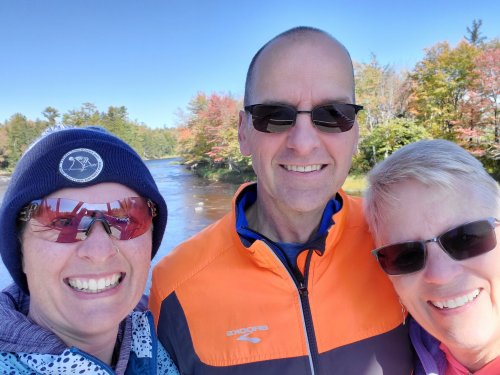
column 145, row 344
column 142, row 334
column 352, row 207
column 165, row 364
column 10, row 364
column 194, row 255
column 70, row 361
column 12, row 297
column 350, row 222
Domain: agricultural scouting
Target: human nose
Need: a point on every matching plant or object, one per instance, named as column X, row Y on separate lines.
column 98, row 246
column 303, row 137
column 440, row 268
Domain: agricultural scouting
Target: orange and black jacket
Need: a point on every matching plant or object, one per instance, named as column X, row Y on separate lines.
column 225, row 308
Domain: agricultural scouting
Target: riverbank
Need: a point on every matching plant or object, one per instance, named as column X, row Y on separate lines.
column 4, row 181
column 224, row 174
column 5, row 175
column 354, row 184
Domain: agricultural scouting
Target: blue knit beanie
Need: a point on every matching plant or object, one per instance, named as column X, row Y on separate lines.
column 72, row 158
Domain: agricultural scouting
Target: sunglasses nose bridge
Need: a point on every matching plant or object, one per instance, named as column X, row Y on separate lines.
column 310, row 113
column 437, row 240
column 439, row 267
column 98, row 216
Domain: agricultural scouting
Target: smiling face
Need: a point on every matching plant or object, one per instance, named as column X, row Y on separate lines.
column 299, row 170
column 85, row 288
column 458, row 302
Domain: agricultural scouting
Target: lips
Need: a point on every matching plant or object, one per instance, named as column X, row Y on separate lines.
column 456, row 302
column 95, row 285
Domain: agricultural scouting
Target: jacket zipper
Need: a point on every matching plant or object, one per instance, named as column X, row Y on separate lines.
column 303, row 294
column 307, row 315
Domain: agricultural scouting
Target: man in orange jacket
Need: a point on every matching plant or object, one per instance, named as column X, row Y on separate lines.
column 285, row 283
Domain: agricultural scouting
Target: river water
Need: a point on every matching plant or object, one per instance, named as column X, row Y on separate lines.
column 193, row 203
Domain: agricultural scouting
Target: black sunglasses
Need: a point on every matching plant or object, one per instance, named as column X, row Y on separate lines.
column 463, row 242
column 329, row 118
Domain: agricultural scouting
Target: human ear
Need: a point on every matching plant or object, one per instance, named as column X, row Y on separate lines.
column 243, row 136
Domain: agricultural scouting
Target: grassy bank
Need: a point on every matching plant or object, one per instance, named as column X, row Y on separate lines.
column 354, row 185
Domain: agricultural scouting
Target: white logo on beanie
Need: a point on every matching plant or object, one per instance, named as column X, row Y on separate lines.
column 81, row 165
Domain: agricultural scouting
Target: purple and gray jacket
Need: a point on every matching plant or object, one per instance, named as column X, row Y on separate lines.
column 27, row 348
column 431, row 360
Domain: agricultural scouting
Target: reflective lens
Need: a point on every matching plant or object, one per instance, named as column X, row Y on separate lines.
column 463, row 242
column 469, row 240
column 65, row 220
column 277, row 118
column 402, row 258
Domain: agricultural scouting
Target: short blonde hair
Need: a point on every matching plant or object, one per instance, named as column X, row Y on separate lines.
column 437, row 163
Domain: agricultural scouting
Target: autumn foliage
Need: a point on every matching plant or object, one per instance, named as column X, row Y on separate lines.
column 451, row 93
column 209, row 135
column 18, row 132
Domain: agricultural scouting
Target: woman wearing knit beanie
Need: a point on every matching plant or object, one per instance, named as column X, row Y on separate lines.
column 80, row 222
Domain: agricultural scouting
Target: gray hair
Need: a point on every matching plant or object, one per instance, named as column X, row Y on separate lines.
column 292, row 34
column 436, row 163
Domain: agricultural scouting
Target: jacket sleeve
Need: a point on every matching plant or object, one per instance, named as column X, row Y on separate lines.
column 155, row 299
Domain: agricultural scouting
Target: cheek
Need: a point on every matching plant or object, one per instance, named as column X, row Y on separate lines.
column 486, row 267
column 342, row 146
column 43, row 267
column 406, row 288
column 34, row 259
column 140, row 256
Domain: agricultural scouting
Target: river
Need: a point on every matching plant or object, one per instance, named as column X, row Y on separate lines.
column 193, row 203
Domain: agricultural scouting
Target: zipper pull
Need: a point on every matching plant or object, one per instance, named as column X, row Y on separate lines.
column 303, row 289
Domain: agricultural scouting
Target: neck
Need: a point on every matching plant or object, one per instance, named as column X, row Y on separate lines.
column 282, row 226
column 100, row 345
column 474, row 360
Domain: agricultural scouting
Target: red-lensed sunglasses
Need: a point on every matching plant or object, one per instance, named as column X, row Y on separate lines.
column 463, row 242
column 65, row 220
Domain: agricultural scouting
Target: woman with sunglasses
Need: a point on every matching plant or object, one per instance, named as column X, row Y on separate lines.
column 435, row 212
column 80, row 222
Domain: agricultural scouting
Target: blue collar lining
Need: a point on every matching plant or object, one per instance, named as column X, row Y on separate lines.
column 287, row 252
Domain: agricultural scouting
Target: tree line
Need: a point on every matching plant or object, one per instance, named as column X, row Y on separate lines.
column 18, row 132
column 452, row 93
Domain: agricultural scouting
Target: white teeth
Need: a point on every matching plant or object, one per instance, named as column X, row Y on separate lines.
column 303, row 168
column 95, row 285
column 456, row 302
column 438, row 304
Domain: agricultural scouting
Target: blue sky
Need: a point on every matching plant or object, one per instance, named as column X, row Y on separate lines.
column 153, row 56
